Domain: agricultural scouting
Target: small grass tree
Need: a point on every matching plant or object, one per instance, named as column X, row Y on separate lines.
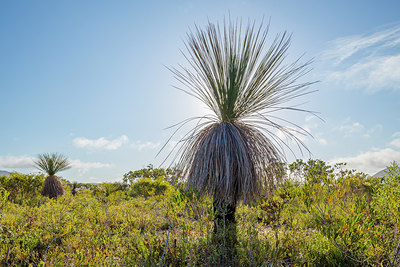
column 234, row 153
column 51, row 164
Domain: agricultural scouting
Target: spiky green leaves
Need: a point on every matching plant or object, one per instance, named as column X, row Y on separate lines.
column 52, row 163
column 233, row 74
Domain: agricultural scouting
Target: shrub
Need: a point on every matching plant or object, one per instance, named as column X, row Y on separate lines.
column 23, row 188
column 106, row 189
column 169, row 175
column 147, row 187
column 3, row 196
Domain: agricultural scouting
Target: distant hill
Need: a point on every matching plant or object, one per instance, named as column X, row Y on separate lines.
column 381, row 173
column 5, row 173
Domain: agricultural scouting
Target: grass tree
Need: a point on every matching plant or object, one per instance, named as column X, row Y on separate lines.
column 235, row 152
column 52, row 164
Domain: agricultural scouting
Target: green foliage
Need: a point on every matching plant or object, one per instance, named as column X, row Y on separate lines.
column 312, row 171
column 3, row 196
column 146, row 187
column 347, row 219
column 393, row 174
column 23, row 188
column 169, row 175
column 106, row 189
column 356, row 213
column 52, row 163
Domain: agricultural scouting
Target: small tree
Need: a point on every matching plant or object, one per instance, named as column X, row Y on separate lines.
column 234, row 152
column 51, row 164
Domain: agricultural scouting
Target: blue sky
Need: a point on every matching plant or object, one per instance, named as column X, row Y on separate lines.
column 88, row 79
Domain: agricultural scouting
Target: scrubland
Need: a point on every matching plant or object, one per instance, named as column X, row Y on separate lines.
column 318, row 215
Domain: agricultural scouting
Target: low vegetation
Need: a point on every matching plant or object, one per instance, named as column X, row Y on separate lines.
column 319, row 215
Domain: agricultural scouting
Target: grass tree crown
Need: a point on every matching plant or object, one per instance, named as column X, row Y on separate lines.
column 234, row 152
column 52, row 163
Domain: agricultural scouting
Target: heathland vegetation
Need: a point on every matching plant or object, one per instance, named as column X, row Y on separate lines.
column 317, row 215
column 232, row 201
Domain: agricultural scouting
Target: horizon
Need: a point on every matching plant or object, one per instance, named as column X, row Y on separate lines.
column 90, row 80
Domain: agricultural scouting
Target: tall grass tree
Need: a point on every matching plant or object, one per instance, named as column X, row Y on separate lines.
column 52, row 164
column 234, row 153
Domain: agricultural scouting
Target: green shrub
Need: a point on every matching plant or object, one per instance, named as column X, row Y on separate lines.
column 170, row 175
column 23, row 188
column 3, row 196
column 104, row 190
column 147, row 187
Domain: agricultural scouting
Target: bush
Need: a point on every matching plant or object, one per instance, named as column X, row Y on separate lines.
column 170, row 175
column 3, row 196
column 106, row 189
column 147, row 187
column 23, row 188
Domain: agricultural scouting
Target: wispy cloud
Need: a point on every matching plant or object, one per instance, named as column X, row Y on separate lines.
column 312, row 124
column 85, row 166
column 343, row 48
column 396, row 134
column 138, row 145
column 20, row 162
column 375, row 129
column 373, row 74
column 322, row 141
column 101, row 142
column 351, row 128
column 374, row 160
column 395, row 143
column 370, row 161
column 370, row 62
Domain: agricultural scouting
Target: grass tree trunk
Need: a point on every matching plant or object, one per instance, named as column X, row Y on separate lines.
column 52, row 187
column 225, row 237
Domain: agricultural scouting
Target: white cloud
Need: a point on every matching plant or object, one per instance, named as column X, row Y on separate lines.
column 373, row 74
column 138, row 145
column 374, row 160
column 373, row 130
column 396, row 134
column 353, row 128
column 101, row 142
column 21, row 162
column 322, row 141
column 349, row 127
column 345, row 47
column 85, row 166
column 370, row 62
column 395, row 143
column 311, row 126
column 370, row 161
